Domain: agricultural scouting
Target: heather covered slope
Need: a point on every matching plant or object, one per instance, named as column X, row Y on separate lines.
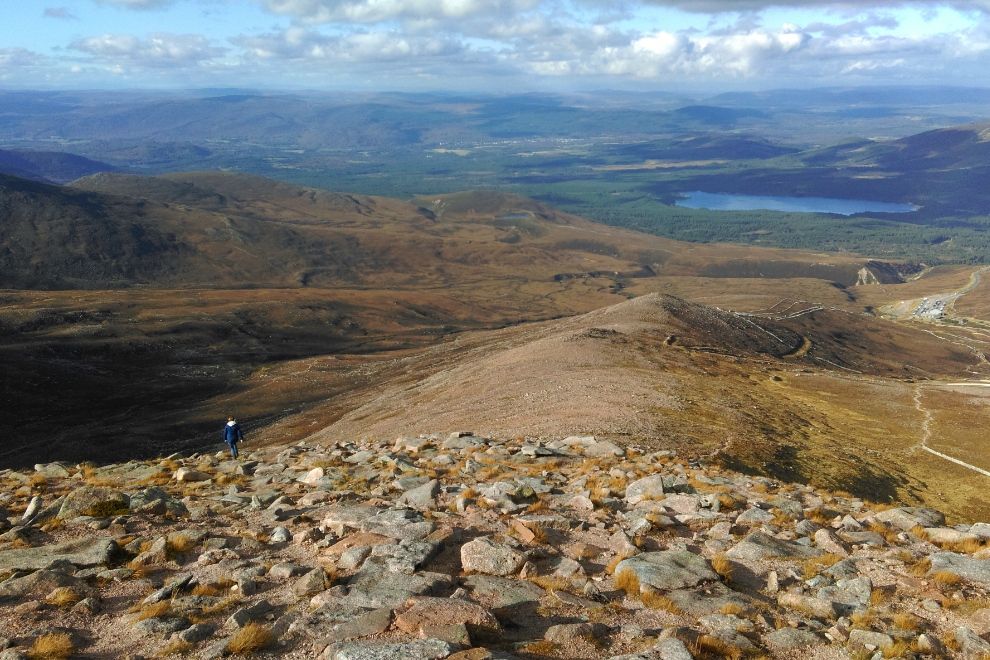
column 223, row 230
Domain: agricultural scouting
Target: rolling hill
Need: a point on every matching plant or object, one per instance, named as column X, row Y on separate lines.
column 49, row 166
column 153, row 306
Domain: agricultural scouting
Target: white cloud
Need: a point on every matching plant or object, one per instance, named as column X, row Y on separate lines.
column 12, row 58
column 157, row 50
column 726, row 6
column 298, row 43
column 61, row 13
column 378, row 11
column 136, row 4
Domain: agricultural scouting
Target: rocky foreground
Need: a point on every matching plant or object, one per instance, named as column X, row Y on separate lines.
column 460, row 547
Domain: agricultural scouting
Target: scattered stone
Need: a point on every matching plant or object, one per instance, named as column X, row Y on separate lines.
column 483, row 555
column 93, row 501
column 759, row 546
column 189, row 475
column 82, row 553
column 647, row 488
column 909, row 517
column 422, row 649
column 793, row 638
column 667, row 570
column 427, row 617
column 968, row 568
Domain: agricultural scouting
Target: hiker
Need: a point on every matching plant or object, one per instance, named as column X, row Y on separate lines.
column 231, row 434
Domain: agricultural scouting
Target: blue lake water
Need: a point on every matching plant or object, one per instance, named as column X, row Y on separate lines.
column 731, row 202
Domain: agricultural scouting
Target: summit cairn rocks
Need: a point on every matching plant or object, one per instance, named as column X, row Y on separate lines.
column 465, row 547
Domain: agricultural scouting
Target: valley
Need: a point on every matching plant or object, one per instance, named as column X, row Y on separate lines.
column 322, row 317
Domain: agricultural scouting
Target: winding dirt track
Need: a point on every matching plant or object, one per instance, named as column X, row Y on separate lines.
column 926, row 431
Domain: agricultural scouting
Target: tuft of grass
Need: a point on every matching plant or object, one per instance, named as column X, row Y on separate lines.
column 64, row 597
column 888, row 533
column 552, row 583
column 818, row 516
column 250, row 639
column 223, row 605
column 968, row 606
column 863, row 620
column 723, row 566
column 706, row 645
column 56, row 646
column 815, row 565
column 213, row 588
column 899, row 649
column 657, row 601
column 628, row 581
column 178, row 544
column 175, row 647
column 921, row 568
column 946, row 578
column 612, row 563
column 537, row 506
column 950, row 642
column 881, row 595
column 154, row 611
column 540, row 648
column 106, row 510
column 906, row 621
column 966, row 547
column 734, row 609
column 727, row 502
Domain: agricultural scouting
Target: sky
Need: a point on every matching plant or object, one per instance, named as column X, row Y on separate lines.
column 491, row 45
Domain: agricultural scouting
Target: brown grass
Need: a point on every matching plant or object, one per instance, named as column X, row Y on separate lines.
column 213, row 588
column 735, row 609
column 552, row 582
column 537, row 506
column 612, row 563
column 906, row 621
column 723, row 566
column 540, row 647
column 888, row 533
column 176, row 647
column 223, row 605
column 629, row 582
column 728, row 502
column 814, row 565
column 179, row 543
column 968, row 606
column 657, row 601
column 921, row 567
column 966, row 547
column 56, row 646
column 818, row 516
column 251, row 638
column 946, row 578
column 708, row 645
column 153, row 611
column 64, row 597
column 863, row 620
column 881, row 595
column 899, row 649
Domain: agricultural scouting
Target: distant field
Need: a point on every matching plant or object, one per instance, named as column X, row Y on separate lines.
column 961, row 417
column 870, row 438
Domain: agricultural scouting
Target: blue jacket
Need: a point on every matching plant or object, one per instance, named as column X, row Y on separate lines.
column 231, row 433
